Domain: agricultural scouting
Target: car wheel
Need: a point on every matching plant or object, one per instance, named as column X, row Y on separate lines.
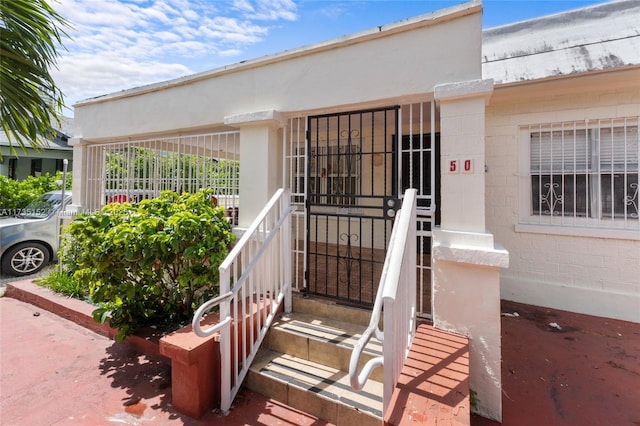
column 25, row 259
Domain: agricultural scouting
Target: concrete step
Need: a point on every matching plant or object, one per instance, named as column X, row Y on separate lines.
column 329, row 309
column 304, row 363
column 315, row 388
column 320, row 339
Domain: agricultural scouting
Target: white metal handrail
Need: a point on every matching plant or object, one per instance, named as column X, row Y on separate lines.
column 259, row 266
column 397, row 298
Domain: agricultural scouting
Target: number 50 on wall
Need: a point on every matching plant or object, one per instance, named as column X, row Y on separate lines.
column 460, row 166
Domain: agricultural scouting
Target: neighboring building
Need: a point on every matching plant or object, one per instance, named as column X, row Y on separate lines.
column 31, row 162
column 525, row 134
column 562, row 156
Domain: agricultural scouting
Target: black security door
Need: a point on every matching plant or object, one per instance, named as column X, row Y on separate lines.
column 351, row 199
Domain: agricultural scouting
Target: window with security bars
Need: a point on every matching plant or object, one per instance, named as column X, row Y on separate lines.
column 585, row 169
column 334, row 175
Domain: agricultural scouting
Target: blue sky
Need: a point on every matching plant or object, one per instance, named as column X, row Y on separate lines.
column 120, row 44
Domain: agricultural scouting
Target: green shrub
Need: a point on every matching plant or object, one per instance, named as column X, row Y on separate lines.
column 151, row 263
column 16, row 194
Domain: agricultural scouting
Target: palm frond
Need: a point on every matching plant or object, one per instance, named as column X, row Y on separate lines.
column 31, row 104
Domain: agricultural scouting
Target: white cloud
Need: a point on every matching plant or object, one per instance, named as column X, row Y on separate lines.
column 243, row 5
column 188, row 49
column 267, row 10
column 229, row 52
column 232, row 30
column 83, row 76
column 168, row 36
column 190, row 14
column 120, row 44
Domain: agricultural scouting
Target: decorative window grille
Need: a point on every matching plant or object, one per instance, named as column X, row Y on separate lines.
column 586, row 169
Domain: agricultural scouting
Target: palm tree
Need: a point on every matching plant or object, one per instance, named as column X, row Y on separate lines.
column 30, row 101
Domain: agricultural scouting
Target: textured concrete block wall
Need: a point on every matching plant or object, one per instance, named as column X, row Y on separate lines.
column 599, row 274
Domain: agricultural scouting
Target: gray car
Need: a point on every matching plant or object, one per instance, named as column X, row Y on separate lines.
column 29, row 240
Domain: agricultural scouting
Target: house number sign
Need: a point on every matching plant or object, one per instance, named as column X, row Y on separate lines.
column 455, row 166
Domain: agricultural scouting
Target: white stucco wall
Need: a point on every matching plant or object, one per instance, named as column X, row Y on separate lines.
column 388, row 63
column 598, row 273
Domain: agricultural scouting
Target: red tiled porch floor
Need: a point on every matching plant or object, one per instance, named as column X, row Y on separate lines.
column 54, row 372
column 587, row 372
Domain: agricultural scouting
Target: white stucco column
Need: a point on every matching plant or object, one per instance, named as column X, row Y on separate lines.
column 466, row 260
column 260, row 160
column 79, row 174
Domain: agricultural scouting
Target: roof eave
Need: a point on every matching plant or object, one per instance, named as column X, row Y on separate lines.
column 428, row 19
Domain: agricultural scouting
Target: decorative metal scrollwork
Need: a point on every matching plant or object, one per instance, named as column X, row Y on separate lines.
column 350, row 134
column 348, row 260
column 354, row 133
column 632, row 200
column 552, row 198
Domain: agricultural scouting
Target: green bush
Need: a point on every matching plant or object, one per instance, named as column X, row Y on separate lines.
column 15, row 195
column 151, row 263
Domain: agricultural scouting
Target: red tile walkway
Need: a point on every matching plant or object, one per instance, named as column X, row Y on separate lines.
column 54, row 372
column 585, row 373
column 433, row 387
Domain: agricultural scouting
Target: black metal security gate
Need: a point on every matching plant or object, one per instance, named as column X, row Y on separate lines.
column 351, row 197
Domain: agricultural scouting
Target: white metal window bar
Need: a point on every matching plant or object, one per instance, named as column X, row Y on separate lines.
column 295, row 170
column 419, row 124
column 585, row 173
column 135, row 170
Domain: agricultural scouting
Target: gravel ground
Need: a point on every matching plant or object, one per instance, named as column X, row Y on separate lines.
column 4, row 279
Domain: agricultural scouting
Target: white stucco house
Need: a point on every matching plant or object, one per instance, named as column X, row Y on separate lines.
column 522, row 142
